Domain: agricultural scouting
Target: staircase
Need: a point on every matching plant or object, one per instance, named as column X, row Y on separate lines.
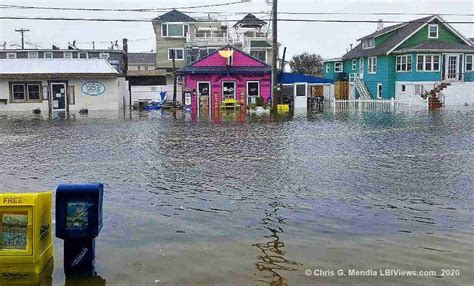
column 361, row 88
column 433, row 99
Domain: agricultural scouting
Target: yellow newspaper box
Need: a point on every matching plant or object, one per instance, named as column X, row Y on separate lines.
column 283, row 108
column 26, row 244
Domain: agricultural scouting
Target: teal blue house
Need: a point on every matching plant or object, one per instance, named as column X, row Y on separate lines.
column 405, row 60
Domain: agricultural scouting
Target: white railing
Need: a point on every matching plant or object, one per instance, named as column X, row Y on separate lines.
column 361, row 88
column 378, row 105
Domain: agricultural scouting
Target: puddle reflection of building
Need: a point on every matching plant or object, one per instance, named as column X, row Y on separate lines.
column 272, row 264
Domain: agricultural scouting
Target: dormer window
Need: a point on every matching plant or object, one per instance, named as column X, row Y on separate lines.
column 368, row 43
column 174, row 30
column 433, row 31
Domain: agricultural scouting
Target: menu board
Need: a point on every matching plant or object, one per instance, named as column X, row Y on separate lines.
column 77, row 215
column 13, row 231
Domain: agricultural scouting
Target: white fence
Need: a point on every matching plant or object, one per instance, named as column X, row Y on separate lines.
column 378, row 105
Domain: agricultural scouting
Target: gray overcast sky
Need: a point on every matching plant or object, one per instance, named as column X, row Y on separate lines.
column 327, row 39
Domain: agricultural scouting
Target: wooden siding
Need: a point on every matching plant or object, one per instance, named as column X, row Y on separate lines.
column 239, row 60
column 444, row 35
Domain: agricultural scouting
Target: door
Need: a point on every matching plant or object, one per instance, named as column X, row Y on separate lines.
column 58, row 96
column 228, row 90
column 204, row 100
column 361, row 68
column 301, row 98
column 452, row 67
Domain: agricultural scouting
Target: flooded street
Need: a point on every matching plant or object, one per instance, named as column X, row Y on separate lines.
column 258, row 200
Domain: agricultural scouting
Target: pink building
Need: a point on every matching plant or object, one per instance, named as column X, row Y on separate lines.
column 226, row 74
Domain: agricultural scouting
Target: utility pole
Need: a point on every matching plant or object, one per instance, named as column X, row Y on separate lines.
column 22, row 31
column 175, row 78
column 275, row 97
column 282, row 71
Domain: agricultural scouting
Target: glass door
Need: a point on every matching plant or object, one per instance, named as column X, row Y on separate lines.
column 204, row 101
column 361, row 68
column 58, row 95
column 452, row 67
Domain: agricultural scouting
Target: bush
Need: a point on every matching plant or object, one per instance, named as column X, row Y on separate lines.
column 260, row 101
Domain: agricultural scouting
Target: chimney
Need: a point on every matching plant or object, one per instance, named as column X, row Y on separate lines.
column 380, row 25
column 125, row 58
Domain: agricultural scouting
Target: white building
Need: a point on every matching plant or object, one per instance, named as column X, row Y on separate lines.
column 61, row 85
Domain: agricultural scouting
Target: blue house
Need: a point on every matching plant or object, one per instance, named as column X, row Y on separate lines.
column 406, row 60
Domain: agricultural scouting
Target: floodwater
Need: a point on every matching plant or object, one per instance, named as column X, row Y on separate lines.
column 259, row 200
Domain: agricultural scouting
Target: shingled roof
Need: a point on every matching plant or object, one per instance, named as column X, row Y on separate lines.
column 250, row 21
column 434, row 45
column 400, row 32
column 175, row 16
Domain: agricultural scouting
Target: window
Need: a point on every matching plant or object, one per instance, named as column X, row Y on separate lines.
column 354, row 64
column 372, row 64
column 174, row 30
column 338, row 67
column 379, row 90
column 11, row 56
column 403, row 63
column 26, row 92
column 368, row 43
column 404, row 88
column 428, row 63
column 150, row 68
column 34, row 91
column 211, row 50
column 132, row 68
column 104, row 56
column 327, row 68
column 178, row 54
column 228, row 89
column 48, row 55
column 259, row 55
column 469, row 63
column 419, row 89
column 32, row 55
column 300, row 89
column 83, row 55
column 433, row 31
column 253, row 88
column 67, row 55
column 18, row 92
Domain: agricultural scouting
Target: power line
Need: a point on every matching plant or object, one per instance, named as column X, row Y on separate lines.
column 150, row 10
column 120, row 10
column 217, row 20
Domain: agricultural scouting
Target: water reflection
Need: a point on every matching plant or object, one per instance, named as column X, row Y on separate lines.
column 25, row 275
column 85, row 281
column 272, row 262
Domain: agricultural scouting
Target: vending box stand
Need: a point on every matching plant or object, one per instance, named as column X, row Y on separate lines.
column 78, row 222
column 26, row 244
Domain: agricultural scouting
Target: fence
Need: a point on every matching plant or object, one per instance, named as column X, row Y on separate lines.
column 378, row 105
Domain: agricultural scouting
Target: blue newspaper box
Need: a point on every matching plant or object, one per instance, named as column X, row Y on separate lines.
column 79, row 210
column 78, row 222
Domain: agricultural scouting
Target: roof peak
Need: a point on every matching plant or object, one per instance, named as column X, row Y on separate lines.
column 250, row 20
column 175, row 16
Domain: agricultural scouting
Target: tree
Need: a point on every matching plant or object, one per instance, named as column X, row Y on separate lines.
column 307, row 63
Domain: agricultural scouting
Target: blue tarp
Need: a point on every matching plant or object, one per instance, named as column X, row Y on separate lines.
column 291, row 78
